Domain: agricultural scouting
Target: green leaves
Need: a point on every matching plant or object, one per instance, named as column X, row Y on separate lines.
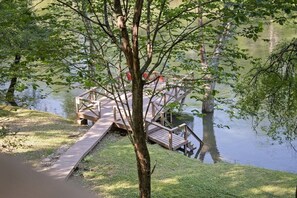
column 269, row 91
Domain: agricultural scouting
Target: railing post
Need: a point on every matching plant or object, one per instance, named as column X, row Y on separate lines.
column 162, row 119
column 99, row 108
column 175, row 92
column 185, row 132
column 77, row 104
column 170, row 140
column 115, row 113
column 153, row 109
column 164, row 99
column 185, row 137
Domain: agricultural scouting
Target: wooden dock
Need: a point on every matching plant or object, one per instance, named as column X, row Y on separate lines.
column 96, row 107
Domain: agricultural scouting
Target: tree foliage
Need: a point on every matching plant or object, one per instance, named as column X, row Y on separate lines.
column 28, row 50
column 271, row 92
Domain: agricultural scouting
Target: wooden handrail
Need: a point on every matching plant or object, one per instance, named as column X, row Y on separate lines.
column 194, row 134
column 178, row 127
column 158, row 125
column 170, row 131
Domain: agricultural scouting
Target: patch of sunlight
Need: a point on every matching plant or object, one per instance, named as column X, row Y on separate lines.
column 170, row 181
column 93, row 176
column 234, row 173
column 119, row 185
column 271, row 189
column 121, row 146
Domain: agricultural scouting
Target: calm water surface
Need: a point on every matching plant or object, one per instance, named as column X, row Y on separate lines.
column 240, row 144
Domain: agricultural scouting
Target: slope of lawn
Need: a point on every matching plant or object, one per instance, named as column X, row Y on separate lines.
column 111, row 172
column 33, row 135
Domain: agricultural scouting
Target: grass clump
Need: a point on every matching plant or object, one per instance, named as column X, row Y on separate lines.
column 33, row 135
column 111, row 172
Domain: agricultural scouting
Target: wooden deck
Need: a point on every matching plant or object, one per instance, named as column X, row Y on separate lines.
column 161, row 137
column 102, row 112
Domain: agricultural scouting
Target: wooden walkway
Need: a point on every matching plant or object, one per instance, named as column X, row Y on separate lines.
column 101, row 110
column 67, row 162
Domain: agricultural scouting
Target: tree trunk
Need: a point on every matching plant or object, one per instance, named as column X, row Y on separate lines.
column 13, row 81
column 208, row 98
column 131, row 52
column 140, row 146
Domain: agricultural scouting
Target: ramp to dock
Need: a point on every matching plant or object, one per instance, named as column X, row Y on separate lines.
column 64, row 167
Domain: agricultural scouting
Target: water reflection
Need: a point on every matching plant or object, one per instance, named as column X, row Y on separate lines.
column 209, row 139
column 208, row 136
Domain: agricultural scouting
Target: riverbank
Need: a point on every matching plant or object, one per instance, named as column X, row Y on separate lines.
column 111, row 171
column 33, row 135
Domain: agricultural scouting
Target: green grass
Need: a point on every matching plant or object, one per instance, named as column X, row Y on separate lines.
column 33, row 135
column 111, row 172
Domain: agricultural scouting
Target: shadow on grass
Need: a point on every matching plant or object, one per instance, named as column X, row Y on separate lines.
column 112, row 172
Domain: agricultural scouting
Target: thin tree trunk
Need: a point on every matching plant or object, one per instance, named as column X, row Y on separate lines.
column 13, row 81
column 131, row 52
column 140, row 146
column 208, row 102
column 208, row 99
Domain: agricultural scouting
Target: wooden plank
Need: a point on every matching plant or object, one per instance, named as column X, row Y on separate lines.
column 65, row 165
column 161, row 137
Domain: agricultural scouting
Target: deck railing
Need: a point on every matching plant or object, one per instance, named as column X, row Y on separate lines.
column 89, row 100
column 180, row 89
column 183, row 127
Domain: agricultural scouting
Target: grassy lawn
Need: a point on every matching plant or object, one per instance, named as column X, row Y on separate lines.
column 33, row 135
column 111, row 171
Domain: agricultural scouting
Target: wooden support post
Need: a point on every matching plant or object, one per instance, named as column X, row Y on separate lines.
column 77, row 101
column 82, row 121
column 185, row 138
column 115, row 113
column 175, row 93
column 153, row 109
column 170, row 140
column 162, row 119
column 99, row 108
